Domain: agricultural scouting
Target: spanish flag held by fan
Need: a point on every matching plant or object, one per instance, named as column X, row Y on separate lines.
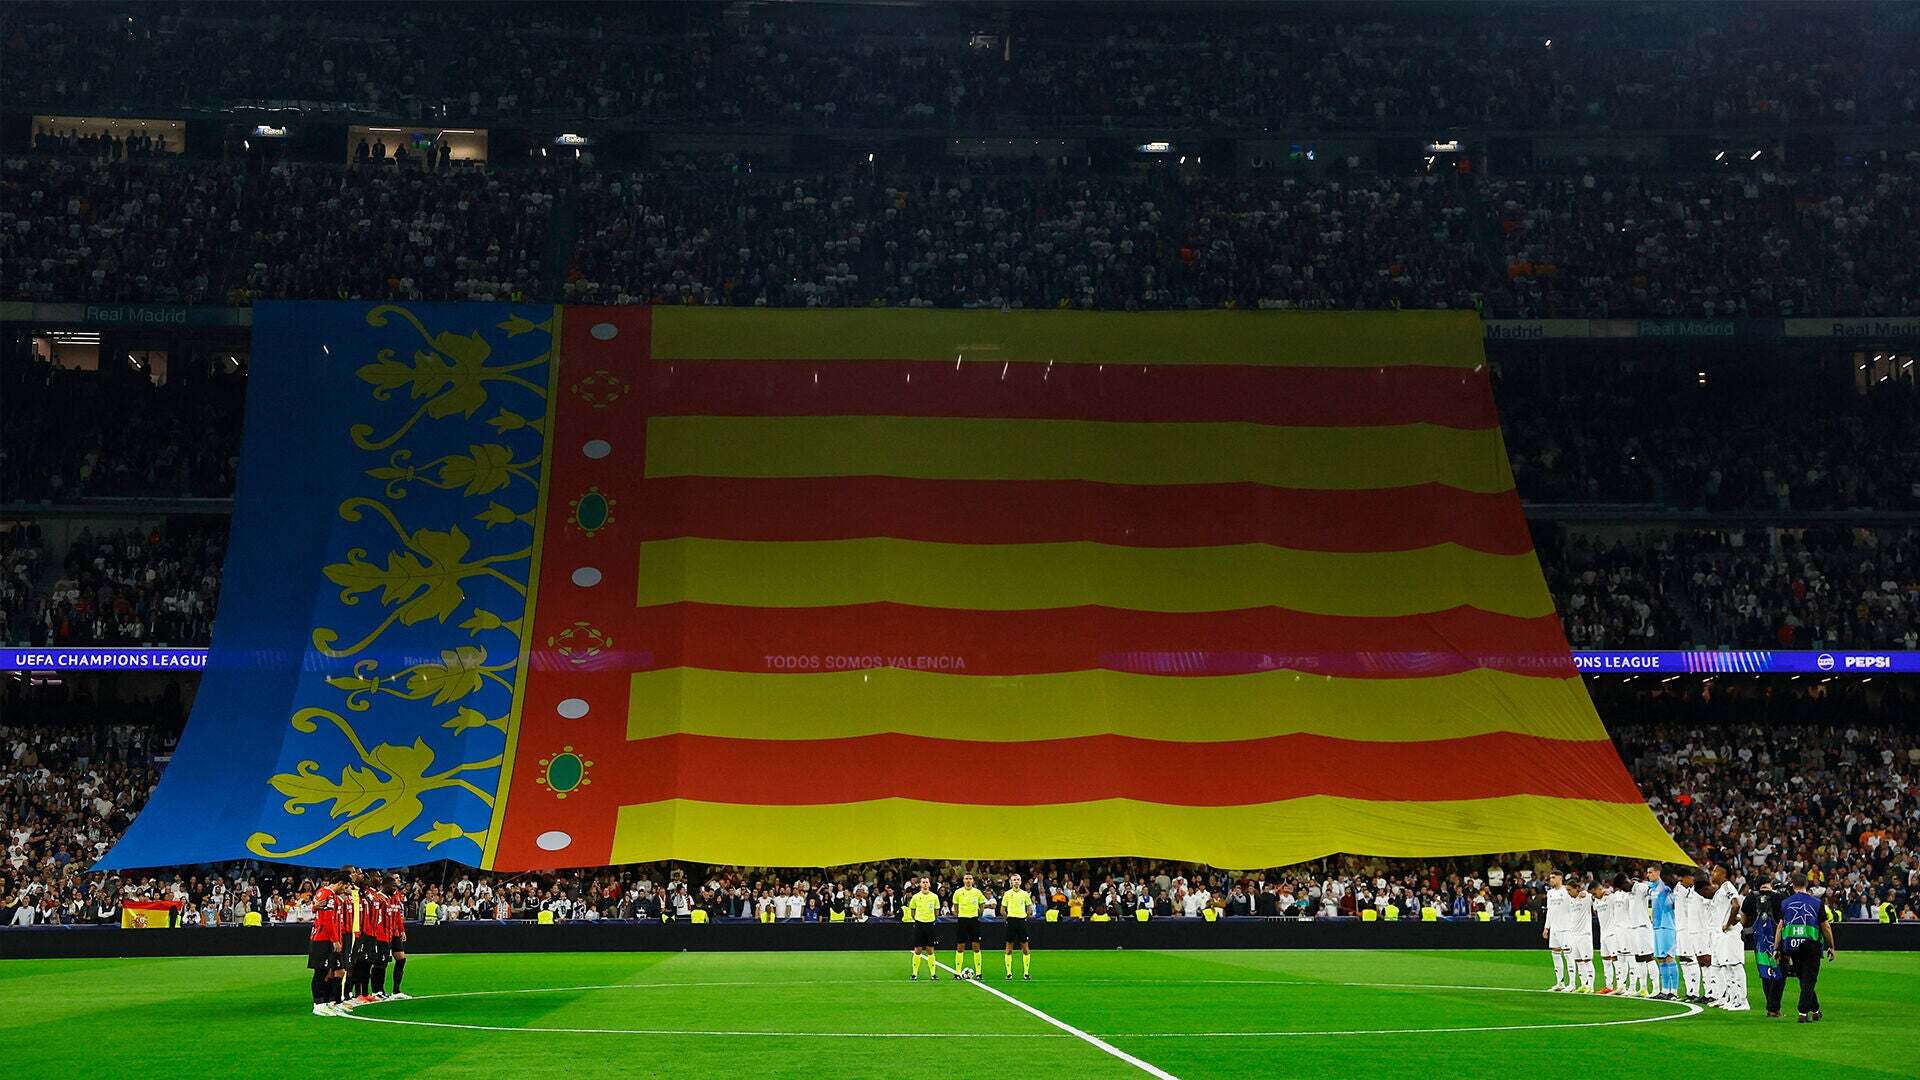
column 149, row 914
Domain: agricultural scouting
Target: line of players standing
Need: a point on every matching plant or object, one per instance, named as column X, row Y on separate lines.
column 357, row 931
column 1669, row 929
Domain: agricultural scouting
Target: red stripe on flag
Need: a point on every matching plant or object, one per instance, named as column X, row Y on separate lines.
column 587, row 586
column 1291, row 396
column 1047, row 511
column 814, row 772
column 790, row 640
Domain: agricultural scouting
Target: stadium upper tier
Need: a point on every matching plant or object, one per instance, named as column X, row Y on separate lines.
column 966, row 68
column 74, row 227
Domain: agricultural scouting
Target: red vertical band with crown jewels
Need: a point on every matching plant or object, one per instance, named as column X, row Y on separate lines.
column 573, row 709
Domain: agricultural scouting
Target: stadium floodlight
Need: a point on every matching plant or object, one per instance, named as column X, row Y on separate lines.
column 1755, row 157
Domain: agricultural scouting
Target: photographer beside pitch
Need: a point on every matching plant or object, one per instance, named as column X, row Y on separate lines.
column 1801, row 937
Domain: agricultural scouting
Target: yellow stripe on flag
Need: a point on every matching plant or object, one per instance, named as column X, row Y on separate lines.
column 1319, row 339
column 1264, row 834
column 1218, row 708
column 1020, row 577
column 944, row 448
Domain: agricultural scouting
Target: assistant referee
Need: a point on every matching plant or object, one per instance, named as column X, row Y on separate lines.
column 923, row 911
column 1015, row 905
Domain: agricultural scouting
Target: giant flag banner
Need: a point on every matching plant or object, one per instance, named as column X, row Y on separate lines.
column 531, row 587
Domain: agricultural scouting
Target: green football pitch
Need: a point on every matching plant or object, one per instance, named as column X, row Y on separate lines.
column 1115, row 1013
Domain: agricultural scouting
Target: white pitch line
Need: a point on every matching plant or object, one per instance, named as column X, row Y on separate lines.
column 1100, row 1044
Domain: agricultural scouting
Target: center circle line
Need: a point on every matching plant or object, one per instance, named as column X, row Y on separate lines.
column 1689, row 1008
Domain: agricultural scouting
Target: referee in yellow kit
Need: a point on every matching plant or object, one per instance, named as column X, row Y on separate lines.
column 923, row 910
column 1015, row 905
column 967, row 902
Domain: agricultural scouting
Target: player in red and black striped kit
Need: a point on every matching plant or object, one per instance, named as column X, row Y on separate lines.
column 397, row 932
column 326, row 954
column 379, row 948
column 365, row 907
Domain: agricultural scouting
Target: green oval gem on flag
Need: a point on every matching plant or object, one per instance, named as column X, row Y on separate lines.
column 592, row 512
column 564, row 772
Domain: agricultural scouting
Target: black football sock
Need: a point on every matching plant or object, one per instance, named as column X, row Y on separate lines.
column 320, row 995
column 399, row 969
column 379, row 978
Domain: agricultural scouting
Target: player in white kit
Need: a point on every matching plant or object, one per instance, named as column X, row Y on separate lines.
column 1555, row 932
column 1729, row 982
column 1609, row 915
column 1638, row 930
column 1579, row 933
column 1688, row 915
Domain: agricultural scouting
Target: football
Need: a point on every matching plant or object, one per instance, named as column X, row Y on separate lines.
column 966, row 973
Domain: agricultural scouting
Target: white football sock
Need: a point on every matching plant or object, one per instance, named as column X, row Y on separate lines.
column 1585, row 967
column 1612, row 975
column 1711, row 975
column 1690, row 975
column 1733, row 985
column 1559, row 967
column 1650, row 976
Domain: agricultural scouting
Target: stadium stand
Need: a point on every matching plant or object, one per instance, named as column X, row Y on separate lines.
column 1814, row 243
column 1817, row 775
column 1574, row 67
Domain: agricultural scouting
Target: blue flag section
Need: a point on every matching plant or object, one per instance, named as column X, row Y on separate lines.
column 399, row 448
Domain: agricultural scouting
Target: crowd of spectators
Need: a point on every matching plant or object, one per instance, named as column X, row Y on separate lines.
column 83, row 229
column 1743, row 438
column 1813, row 588
column 73, row 434
column 1110, row 243
column 1765, row 243
column 142, row 586
column 1247, row 67
column 21, row 549
column 100, row 145
column 1736, row 780
column 1767, row 777
column 1812, row 243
